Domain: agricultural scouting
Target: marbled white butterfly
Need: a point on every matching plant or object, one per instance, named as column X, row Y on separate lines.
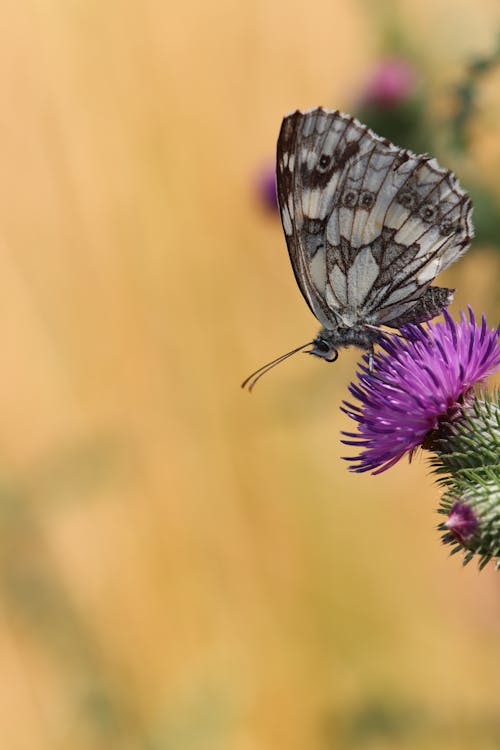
column 368, row 227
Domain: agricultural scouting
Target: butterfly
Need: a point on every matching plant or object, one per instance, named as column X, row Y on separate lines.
column 368, row 227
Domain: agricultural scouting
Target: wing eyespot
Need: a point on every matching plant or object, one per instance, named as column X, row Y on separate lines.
column 324, row 162
column 446, row 227
column 428, row 212
column 408, row 198
column 349, row 198
column 366, row 199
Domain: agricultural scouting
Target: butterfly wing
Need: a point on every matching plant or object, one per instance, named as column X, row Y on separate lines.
column 310, row 167
column 368, row 225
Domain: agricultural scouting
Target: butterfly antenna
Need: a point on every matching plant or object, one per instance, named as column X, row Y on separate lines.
column 255, row 376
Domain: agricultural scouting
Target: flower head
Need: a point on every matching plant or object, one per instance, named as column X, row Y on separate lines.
column 419, row 383
column 265, row 187
column 392, row 81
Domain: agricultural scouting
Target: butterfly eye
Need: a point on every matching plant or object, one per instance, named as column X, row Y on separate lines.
column 428, row 212
column 324, row 162
column 323, row 349
column 322, row 346
column 350, row 198
column 366, row 199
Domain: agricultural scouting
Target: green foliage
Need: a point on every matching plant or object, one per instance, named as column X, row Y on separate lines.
column 466, row 92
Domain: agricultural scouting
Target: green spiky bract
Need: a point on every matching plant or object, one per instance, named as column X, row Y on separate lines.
column 467, row 463
column 482, row 495
column 472, row 441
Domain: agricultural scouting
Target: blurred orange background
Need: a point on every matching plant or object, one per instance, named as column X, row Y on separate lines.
column 184, row 566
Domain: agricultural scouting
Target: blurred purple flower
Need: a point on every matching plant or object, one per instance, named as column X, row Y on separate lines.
column 419, row 385
column 391, row 82
column 462, row 523
column 265, row 184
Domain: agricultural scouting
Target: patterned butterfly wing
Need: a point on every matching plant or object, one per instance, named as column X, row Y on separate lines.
column 368, row 225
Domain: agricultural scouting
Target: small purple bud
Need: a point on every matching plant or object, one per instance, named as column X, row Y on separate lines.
column 392, row 82
column 462, row 522
column 265, row 185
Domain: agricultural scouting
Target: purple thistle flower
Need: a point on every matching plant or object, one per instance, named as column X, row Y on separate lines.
column 419, row 383
column 392, row 82
column 462, row 523
column 265, row 186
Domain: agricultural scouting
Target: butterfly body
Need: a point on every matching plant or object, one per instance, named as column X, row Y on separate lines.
column 368, row 227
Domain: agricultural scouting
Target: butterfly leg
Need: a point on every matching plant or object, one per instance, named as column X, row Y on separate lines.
column 370, row 359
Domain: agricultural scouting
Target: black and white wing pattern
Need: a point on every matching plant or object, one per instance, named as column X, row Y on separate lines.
column 368, row 225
